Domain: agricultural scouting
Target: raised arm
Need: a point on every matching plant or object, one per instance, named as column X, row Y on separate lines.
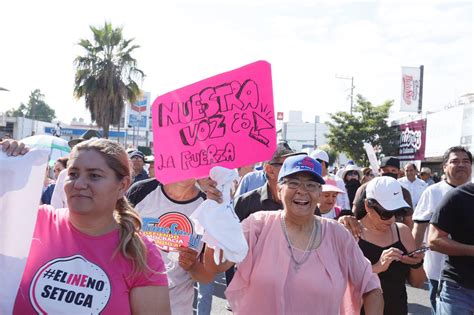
column 13, row 147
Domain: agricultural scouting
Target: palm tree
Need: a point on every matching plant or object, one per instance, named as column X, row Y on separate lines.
column 106, row 75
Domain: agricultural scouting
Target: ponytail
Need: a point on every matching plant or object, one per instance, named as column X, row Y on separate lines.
column 131, row 245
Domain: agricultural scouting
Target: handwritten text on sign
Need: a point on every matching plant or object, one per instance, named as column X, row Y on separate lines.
column 225, row 120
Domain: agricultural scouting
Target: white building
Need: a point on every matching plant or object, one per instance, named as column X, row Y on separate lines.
column 299, row 134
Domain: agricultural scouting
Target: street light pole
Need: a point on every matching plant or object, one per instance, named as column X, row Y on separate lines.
column 352, row 88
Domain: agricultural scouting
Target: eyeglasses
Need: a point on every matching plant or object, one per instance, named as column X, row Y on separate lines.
column 385, row 214
column 309, row 186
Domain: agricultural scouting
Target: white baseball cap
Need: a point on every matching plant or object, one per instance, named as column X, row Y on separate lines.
column 388, row 193
column 320, row 155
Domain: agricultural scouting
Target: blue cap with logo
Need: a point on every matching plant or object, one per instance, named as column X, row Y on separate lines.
column 301, row 163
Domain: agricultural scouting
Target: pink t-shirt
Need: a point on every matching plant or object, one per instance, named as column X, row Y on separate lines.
column 332, row 281
column 69, row 272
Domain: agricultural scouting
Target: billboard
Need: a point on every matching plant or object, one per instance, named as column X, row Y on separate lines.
column 412, row 140
column 138, row 112
column 411, row 89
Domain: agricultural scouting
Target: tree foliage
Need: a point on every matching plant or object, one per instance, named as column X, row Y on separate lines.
column 107, row 75
column 347, row 133
column 36, row 108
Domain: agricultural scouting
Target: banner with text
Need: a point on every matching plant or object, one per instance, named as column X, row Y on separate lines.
column 225, row 120
column 138, row 112
column 412, row 140
column 410, row 89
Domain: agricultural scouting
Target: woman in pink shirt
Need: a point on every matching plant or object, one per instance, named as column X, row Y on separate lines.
column 299, row 263
column 91, row 257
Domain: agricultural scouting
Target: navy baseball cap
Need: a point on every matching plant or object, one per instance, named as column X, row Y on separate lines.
column 135, row 153
column 301, row 163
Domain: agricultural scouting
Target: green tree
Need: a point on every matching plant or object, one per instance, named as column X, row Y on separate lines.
column 106, row 75
column 36, row 108
column 347, row 133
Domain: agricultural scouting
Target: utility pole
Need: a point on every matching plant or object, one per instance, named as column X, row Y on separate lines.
column 352, row 88
column 33, row 114
column 420, row 103
column 316, row 121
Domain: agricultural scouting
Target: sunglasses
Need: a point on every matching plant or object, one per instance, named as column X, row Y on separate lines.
column 385, row 214
column 352, row 173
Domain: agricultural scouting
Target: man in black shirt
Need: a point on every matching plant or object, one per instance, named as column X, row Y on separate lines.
column 452, row 233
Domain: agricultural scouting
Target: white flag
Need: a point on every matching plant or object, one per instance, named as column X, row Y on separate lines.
column 21, row 181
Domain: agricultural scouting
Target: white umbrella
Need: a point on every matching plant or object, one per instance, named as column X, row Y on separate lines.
column 56, row 147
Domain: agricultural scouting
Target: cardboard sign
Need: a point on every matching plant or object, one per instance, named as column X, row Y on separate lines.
column 374, row 165
column 226, row 120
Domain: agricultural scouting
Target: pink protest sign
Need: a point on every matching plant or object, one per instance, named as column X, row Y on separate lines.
column 225, row 120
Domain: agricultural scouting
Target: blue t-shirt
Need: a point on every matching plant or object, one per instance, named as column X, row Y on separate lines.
column 48, row 194
column 251, row 181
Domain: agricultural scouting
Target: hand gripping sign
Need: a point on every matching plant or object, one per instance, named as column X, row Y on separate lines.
column 225, row 120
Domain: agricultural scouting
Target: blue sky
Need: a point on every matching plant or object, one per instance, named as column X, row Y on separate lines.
column 307, row 43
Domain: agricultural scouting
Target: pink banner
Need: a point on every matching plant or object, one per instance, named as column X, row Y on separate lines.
column 412, row 140
column 225, row 120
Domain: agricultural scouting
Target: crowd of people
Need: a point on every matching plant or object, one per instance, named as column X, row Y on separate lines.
column 318, row 243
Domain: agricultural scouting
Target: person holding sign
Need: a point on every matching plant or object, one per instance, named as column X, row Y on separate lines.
column 165, row 210
column 91, row 257
column 295, row 255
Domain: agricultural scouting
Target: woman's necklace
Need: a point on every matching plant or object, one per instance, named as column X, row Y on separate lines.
column 309, row 247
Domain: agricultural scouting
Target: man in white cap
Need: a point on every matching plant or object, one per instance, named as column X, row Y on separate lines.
column 322, row 157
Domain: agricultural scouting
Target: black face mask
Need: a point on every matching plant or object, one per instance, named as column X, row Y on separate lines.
column 353, row 183
column 393, row 175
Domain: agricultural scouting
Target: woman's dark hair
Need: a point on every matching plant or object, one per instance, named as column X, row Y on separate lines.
column 63, row 160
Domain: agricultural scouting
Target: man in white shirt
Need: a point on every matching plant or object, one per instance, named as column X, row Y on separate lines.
column 457, row 166
column 412, row 183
